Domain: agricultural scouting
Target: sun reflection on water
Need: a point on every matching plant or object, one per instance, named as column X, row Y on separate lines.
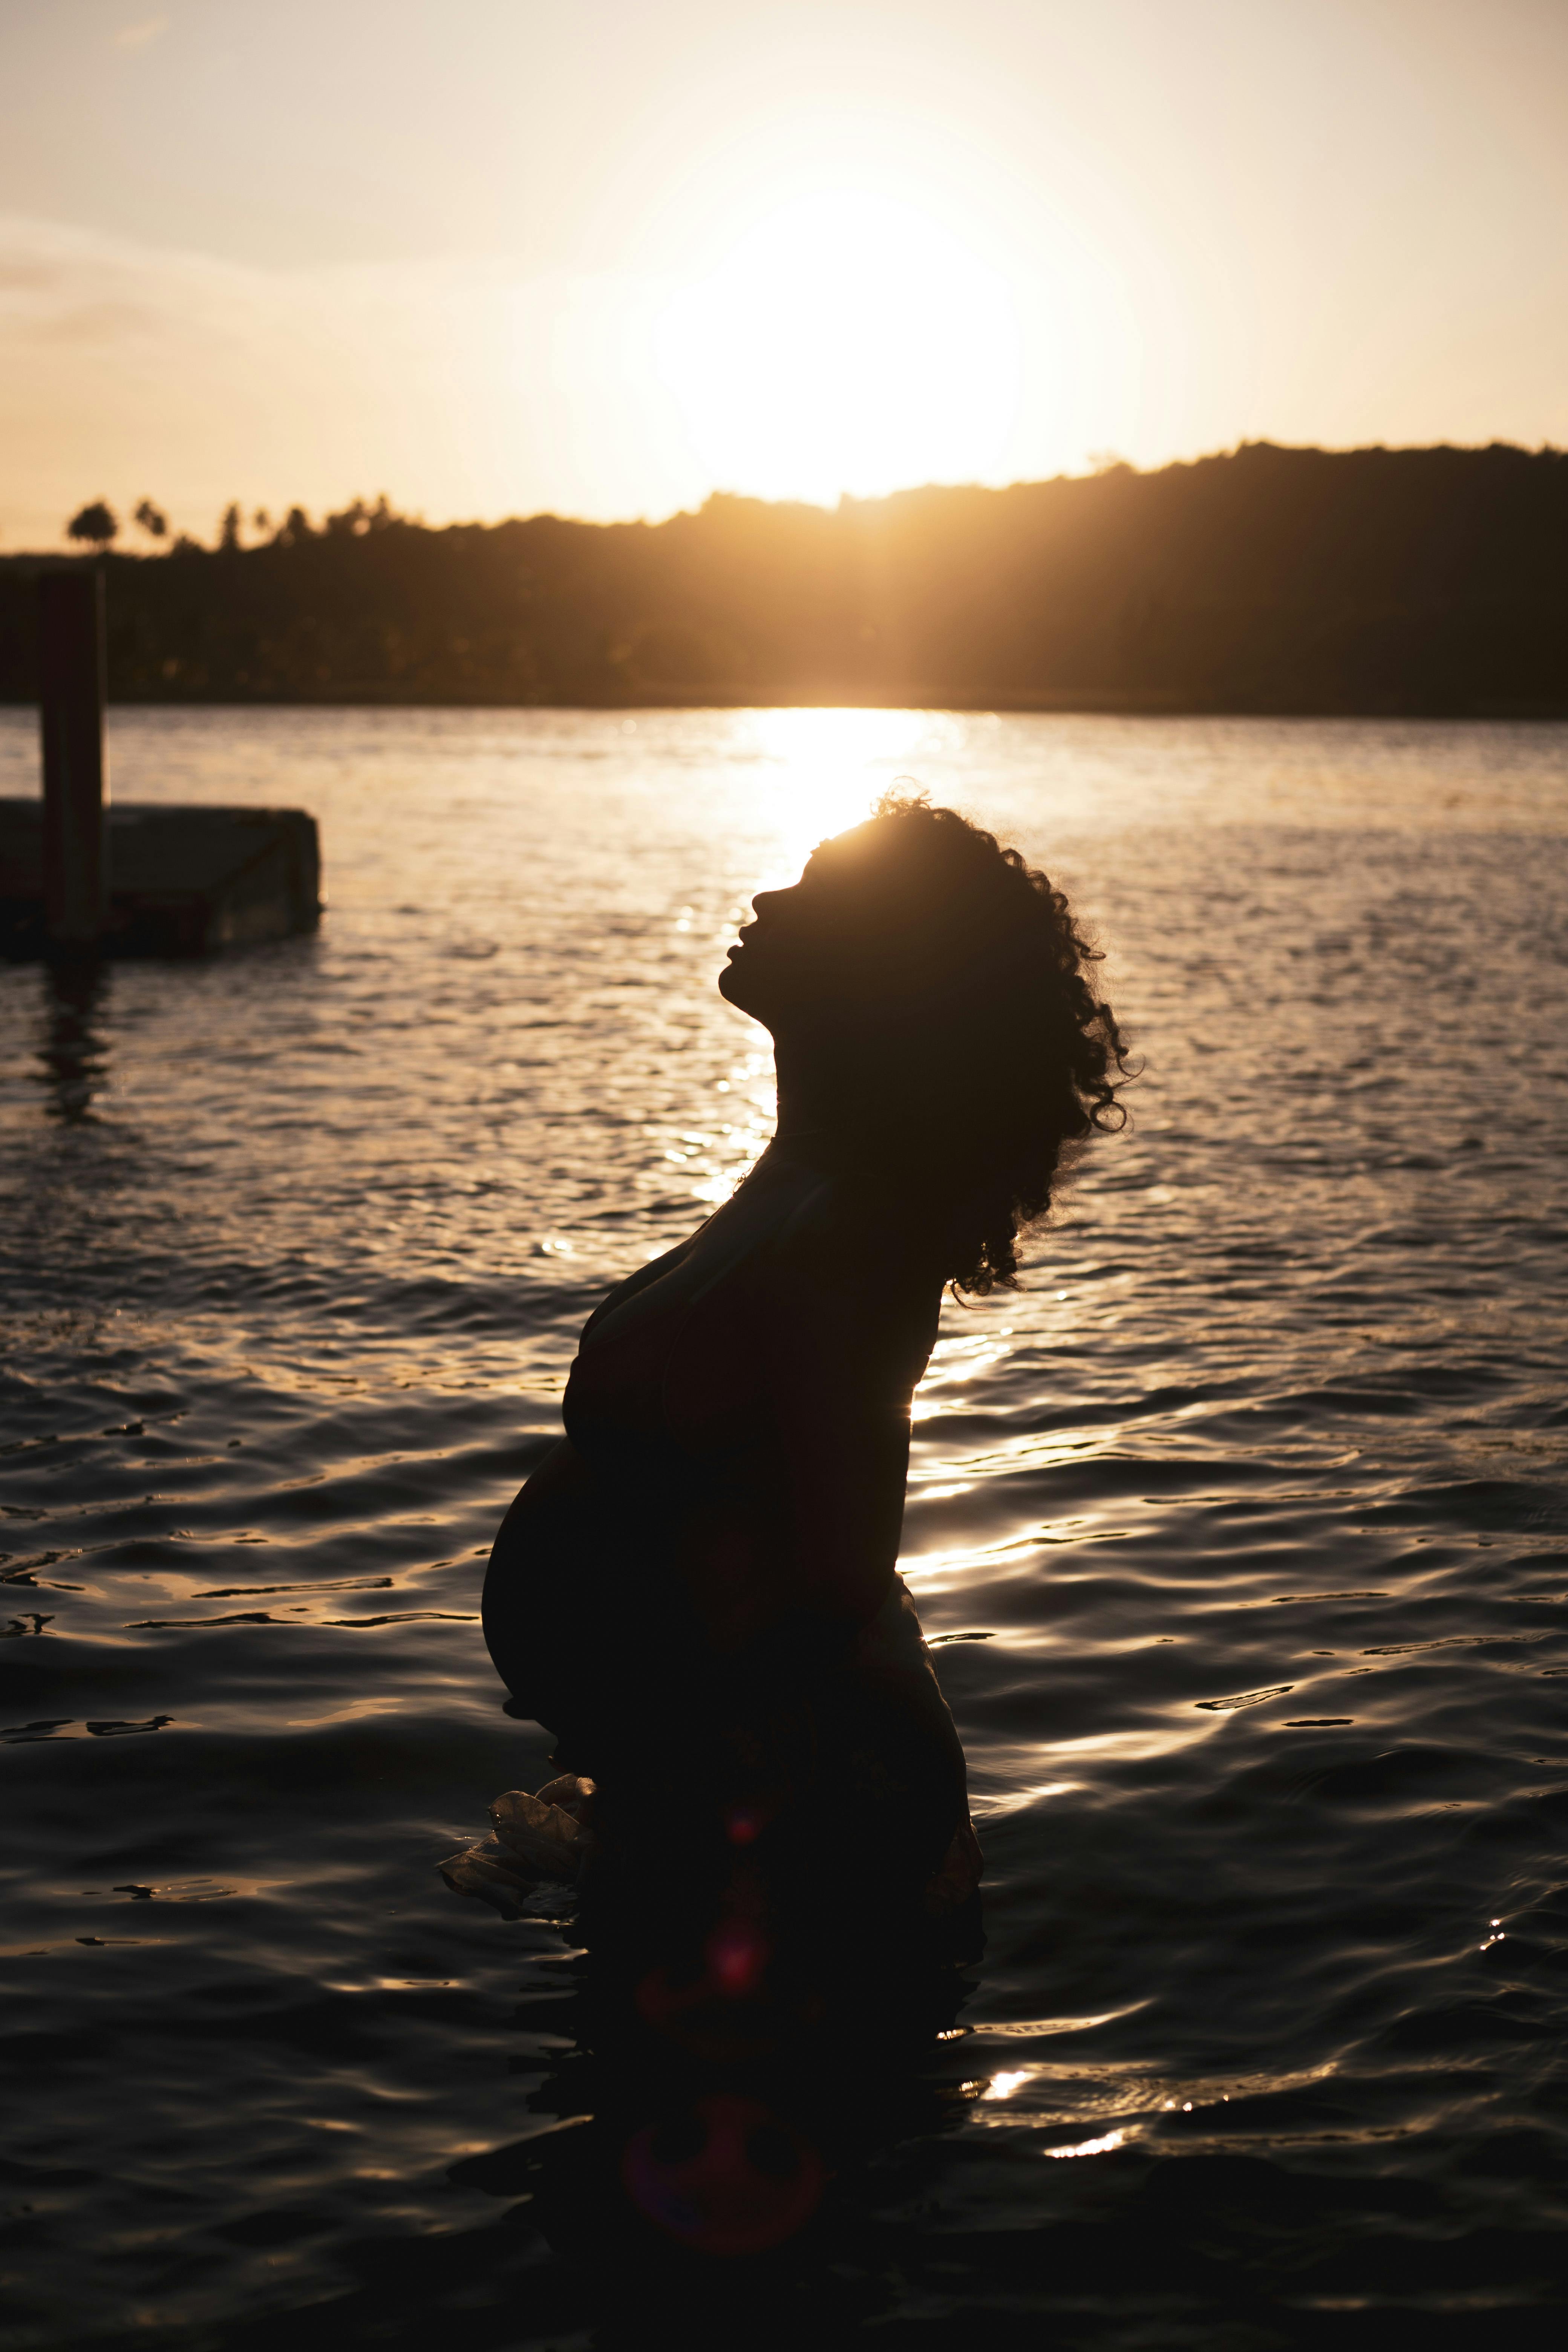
column 1101, row 2147
column 822, row 769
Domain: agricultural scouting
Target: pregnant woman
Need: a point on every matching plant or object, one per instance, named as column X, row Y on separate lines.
column 696, row 1590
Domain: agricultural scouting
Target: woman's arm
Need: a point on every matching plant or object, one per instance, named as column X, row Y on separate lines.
column 850, row 1326
column 843, row 1381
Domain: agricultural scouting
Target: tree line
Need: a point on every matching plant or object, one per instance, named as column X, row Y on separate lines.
column 96, row 526
column 1266, row 579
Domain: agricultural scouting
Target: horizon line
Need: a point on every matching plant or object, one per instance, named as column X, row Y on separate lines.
column 1109, row 463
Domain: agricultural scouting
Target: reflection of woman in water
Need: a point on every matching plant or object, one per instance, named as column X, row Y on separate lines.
column 697, row 1590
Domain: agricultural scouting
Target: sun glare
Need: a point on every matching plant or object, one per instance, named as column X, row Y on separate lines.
column 818, row 771
column 846, row 341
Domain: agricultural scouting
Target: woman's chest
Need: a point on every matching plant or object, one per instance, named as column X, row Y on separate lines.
column 682, row 1362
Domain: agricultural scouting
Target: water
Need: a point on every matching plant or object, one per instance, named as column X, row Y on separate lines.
column 1266, row 2042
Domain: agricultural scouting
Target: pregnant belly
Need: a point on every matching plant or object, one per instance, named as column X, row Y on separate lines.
column 555, row 1601
column 596, row 1593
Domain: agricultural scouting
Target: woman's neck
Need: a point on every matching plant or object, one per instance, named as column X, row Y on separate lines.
column 807, row 1107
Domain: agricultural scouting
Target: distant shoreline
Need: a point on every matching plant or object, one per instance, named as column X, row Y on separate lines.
column 1064, row 706
column 1270, row 582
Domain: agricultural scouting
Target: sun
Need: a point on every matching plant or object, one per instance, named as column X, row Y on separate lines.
column 846, row 341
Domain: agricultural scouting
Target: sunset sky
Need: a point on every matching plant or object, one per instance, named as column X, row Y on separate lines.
column 605, row 256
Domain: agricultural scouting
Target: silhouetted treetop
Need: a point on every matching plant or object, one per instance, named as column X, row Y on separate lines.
column 95, row 524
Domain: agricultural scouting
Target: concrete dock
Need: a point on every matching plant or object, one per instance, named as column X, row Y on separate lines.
column 81, row 878
column 180, row 880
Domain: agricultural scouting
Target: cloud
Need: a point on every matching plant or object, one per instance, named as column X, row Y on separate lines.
column 136, row 36
column 458, row 386
column 103, row 326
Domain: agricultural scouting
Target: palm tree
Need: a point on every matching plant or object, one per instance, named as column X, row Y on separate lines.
column 97, row 525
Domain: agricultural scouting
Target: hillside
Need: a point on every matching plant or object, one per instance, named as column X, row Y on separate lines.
column 1416, row 580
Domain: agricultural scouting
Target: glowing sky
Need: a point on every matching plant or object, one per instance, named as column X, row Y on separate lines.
column 604, row 256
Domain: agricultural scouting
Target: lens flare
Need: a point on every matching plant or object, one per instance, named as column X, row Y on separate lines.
column 726, row 2176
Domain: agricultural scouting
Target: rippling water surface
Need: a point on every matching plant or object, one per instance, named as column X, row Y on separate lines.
column 1267, row 2040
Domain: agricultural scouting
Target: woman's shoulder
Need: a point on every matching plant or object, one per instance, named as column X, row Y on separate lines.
column 843, row 1240
column 839, row 1211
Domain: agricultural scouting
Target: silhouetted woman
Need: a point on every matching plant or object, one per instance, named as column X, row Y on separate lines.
column 697, row 1590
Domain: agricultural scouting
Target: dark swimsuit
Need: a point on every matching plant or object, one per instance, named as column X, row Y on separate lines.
column 590, row 1623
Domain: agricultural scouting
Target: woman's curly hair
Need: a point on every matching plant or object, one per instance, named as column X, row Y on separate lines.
column 982, row 1053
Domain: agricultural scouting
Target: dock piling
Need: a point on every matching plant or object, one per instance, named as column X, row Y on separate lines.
column 71, row 681
column 79, row 881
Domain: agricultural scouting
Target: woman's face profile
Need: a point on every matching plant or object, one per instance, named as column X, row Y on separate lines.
column 799, row 952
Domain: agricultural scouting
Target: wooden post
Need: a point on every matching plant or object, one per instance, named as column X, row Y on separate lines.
column 71, row 695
